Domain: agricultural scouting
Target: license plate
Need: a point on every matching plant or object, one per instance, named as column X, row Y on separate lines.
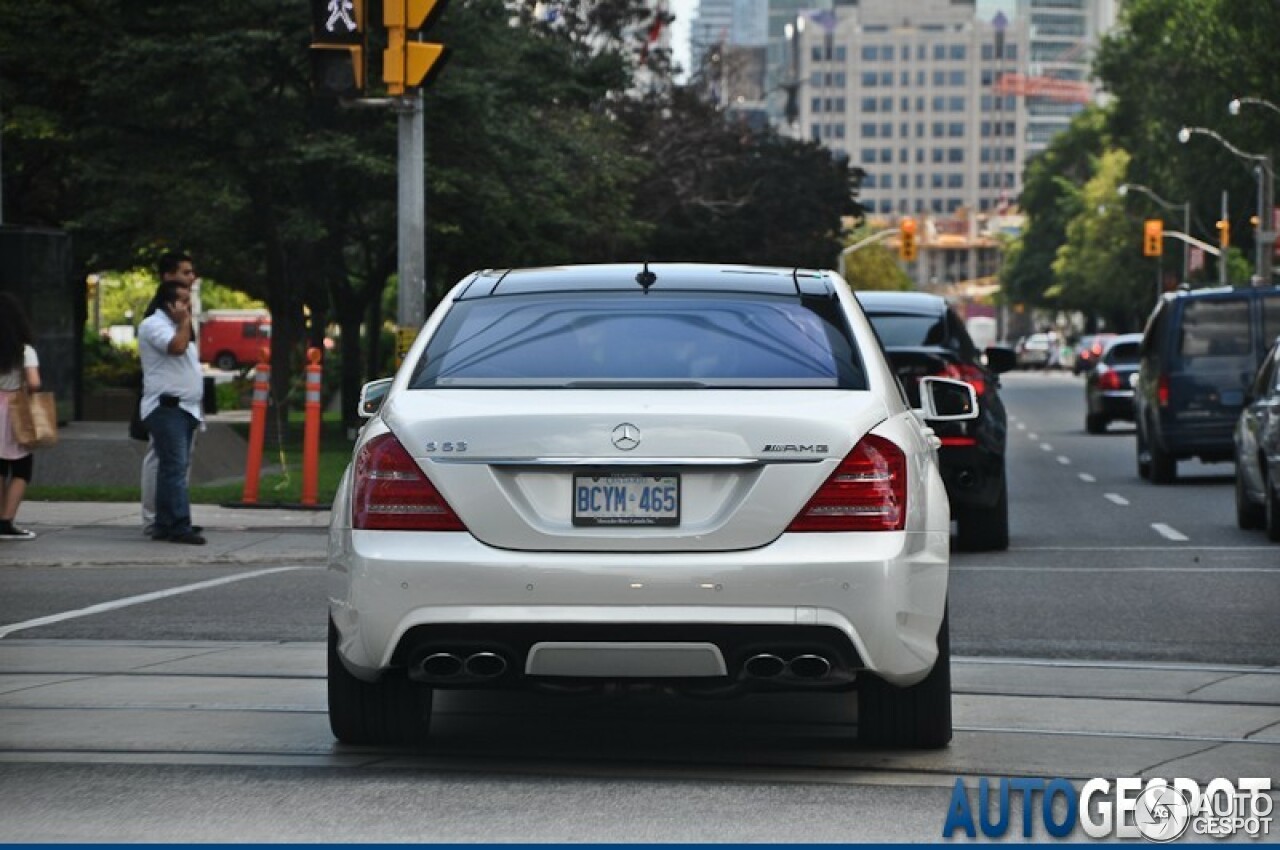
column 626, row 499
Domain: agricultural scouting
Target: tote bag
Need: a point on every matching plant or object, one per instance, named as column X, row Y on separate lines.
column 34, row 418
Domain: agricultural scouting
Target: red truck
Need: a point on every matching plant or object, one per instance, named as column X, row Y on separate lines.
column 233, row 339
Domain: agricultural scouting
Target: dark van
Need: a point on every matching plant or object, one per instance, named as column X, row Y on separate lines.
column 1200, row 350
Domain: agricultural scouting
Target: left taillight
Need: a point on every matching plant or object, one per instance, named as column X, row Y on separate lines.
column 867, row 492
column 390, row 493
column 1109, row 379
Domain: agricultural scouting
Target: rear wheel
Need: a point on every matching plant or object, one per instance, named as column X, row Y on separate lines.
column 1164, row 466
column 1248, row 515
column 1272, row 510
column 1144, row 457
column 226, row 361
column 1095, row 423
column 392, row 710
column 985, row 529
column 916, row 717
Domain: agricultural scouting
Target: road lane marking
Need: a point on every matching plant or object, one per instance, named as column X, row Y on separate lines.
column 986, row 568
column 1087, row 478
column 1064, row 460
column 128, row 601
column 1118, row 499
column 1031, row 435
column 1168, row 532
column 1046, row 447
column 1021, row 427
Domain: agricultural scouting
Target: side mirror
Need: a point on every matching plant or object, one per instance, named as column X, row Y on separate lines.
column 372, row 395
column 1001, row 359
column 945, row 400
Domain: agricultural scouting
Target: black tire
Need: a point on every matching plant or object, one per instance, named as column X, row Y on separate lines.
column 917, row 717
column 1272, row 510
column 391, row 711
column 226, row 361
column 1095, row 423
column 1144, row 457
column 1248, row 515
column 1164, row 466
column 985, row 529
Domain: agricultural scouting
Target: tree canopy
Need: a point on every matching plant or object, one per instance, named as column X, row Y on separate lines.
column 140, row 126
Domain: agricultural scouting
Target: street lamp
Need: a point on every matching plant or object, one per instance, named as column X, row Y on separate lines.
column 1234, row 106
column 1123, row 189
column 1266, row 197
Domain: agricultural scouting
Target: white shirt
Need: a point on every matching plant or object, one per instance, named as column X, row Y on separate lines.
column 165, row 373
column 12, row 380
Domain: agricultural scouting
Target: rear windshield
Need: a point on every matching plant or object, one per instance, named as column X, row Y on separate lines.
column 1123, row 354
column 904, row 330
column 1215, row 335
column 621, row 339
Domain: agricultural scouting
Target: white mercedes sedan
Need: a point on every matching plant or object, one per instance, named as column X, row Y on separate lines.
column 702, row 477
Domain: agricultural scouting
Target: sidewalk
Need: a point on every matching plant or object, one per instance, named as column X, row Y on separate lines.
column 78, row 534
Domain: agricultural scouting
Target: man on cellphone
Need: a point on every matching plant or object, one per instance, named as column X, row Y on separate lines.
column 172, row 390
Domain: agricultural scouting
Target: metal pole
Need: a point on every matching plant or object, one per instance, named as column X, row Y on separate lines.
column 411, row 197
column 1266, row 220
column 1222, row 259
column 1186, row 246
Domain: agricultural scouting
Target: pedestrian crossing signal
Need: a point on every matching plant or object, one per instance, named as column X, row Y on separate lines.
column 338, row 47
column 1152, row 237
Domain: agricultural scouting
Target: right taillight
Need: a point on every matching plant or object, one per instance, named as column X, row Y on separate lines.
column 1162, row 390
column 867, row 492
column 390, row 493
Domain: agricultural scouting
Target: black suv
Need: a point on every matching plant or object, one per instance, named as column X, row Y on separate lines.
column 923, row 336
column 1200, row 352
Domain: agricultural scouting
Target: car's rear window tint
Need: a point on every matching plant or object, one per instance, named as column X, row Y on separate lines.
column 1123, row 354
column 1270, row 318
column 1213, row 333
column 608, row 339
column 904, row 330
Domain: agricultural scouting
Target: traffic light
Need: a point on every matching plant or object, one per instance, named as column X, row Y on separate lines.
column 907, row 243
column 337, row 47
column 1152, row 237
column 1224, row 233
column 405, row 63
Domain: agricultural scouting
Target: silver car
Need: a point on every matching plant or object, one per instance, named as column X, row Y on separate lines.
column 702, row 476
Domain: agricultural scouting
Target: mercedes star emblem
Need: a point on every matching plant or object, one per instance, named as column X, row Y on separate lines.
column 626, row 436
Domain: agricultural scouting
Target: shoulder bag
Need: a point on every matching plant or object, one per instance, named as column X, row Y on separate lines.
column 33, row 418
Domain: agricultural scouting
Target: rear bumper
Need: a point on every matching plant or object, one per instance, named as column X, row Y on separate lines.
column 972, row 475
column 1113, row 404
column 1210, row 438
column 875, row 600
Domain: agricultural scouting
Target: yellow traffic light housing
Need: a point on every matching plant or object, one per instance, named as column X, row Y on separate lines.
column 1152, row 237
column 907, row 246
column 338, row 47
column 1224, row 233
column 407, row 63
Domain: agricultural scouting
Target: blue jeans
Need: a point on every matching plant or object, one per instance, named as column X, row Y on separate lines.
column 172, row 430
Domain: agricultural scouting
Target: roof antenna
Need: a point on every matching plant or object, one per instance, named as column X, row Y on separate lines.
column 646, row 278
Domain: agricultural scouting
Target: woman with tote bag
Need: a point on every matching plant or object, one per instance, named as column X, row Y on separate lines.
column 19, row 373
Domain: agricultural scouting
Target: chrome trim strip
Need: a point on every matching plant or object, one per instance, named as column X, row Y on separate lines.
column 717, row 462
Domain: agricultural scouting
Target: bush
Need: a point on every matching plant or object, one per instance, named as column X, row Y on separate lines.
column 108, row 365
